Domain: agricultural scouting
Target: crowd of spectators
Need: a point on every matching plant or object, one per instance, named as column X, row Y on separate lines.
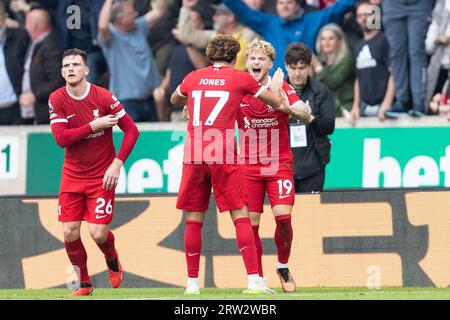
column 378, row 58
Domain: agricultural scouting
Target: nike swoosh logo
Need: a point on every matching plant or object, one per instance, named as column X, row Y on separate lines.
column 72, row 115
column 192, row 254
column 100, row 217
column 244, row 105
column 282, row 197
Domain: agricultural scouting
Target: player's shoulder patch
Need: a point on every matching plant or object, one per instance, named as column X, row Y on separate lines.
column 114, row 105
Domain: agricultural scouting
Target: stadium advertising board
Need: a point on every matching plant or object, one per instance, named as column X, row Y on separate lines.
column 360, row 158
column 341, row 239
column 390, row 157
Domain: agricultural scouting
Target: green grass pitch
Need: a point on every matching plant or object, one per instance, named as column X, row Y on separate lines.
column 235, row 294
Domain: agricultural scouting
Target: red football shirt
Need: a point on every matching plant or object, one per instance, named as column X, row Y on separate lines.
column 264, row 131
column 214, row 95
column 90, row 157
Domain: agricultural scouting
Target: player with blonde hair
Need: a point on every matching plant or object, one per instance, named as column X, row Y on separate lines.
column 269, row 168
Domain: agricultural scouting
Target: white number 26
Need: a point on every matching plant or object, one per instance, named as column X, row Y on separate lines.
column 101, row 208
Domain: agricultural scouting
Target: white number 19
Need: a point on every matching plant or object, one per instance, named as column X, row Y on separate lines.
column 286, row 184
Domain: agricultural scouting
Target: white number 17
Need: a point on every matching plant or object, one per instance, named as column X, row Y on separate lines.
column 197, row 95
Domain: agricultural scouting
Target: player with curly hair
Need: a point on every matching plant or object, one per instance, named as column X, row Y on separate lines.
column 213, row 96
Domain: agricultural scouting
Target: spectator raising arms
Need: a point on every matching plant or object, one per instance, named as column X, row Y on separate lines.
column 255, row 4
column 18, row 9
column 290, row 25
column 161, row 39
column 133, row 71
column 225, row 22
column 181, row 61
column 334, row 67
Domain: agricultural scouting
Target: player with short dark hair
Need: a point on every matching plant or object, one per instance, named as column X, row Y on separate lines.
column 213, row 95
column 264, row 146
column 81, row 117
column 76, row 52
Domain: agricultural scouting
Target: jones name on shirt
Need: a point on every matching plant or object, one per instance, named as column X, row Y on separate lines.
column 212, row 82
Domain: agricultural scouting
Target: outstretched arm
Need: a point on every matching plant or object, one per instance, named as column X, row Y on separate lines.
column 188, row 35
column 104, row 19
column 333, row 13
column 254, row 19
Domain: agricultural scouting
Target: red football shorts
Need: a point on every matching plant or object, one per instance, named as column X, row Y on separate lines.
column 280, row 188
column 227, row 181
column 85, row 200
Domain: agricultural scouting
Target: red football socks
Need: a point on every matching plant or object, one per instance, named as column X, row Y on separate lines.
column 108, row 247
column 193, row 246
column 259, row 249
column 283, row 237
column 78, row 257
column 246, row 244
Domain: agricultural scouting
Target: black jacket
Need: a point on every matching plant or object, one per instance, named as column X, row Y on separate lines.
column 45, row 75
column 313, row 158
column 14, row 52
